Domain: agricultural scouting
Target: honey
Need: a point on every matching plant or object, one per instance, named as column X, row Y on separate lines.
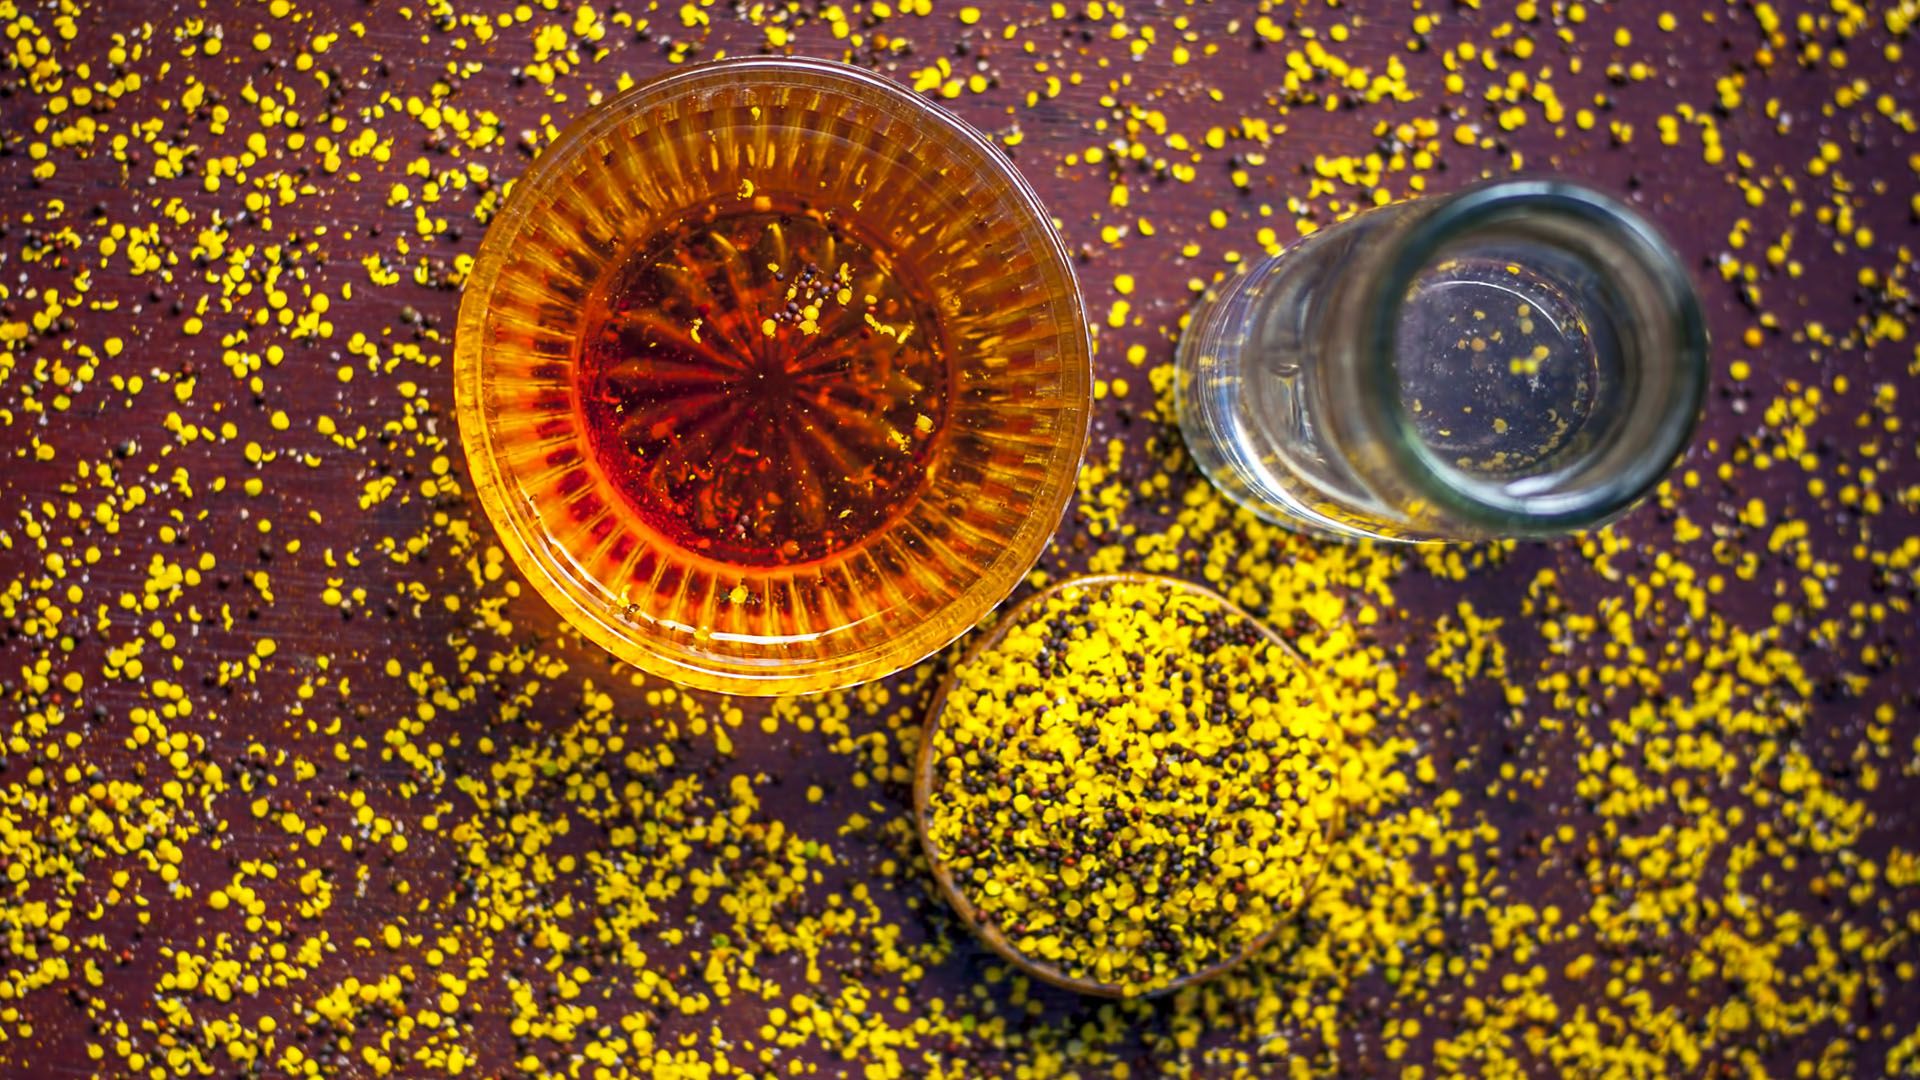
column 772, row 376
column 764, row 383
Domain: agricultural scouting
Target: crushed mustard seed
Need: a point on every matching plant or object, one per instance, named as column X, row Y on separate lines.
column 1131, row 785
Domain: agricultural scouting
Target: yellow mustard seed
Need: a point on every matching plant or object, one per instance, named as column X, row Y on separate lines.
column 1133, row 785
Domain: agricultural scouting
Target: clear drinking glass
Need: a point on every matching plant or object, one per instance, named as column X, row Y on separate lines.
column 1523, row 358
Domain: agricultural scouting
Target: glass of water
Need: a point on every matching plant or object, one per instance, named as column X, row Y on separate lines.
column 1523, row 358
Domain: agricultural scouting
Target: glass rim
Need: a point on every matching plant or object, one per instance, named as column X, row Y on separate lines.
column 1492, row 205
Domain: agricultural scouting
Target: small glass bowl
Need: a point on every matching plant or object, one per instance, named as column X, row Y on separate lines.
column 928, row 194
column 925, row 780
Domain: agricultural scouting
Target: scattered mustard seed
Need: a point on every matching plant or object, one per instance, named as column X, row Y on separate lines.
column 1603, row 812
column 1132, row 786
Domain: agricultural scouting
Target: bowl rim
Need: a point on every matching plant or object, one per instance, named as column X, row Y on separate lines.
column 990, row 934
column 493, row 486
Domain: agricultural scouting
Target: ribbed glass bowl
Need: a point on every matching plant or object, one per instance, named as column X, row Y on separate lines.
column 820, row 569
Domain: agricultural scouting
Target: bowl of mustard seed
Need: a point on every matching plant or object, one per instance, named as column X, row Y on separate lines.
column 1128, row 785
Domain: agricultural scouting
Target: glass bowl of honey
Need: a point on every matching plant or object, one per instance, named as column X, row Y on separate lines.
column 773, row 377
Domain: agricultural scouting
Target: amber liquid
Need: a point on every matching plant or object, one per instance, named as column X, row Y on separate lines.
column 779, row 382
column 764, row 382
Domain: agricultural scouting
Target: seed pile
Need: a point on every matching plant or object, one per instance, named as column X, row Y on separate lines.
column 1133, row 785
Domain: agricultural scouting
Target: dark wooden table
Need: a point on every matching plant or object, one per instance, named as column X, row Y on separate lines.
column 296, row 778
